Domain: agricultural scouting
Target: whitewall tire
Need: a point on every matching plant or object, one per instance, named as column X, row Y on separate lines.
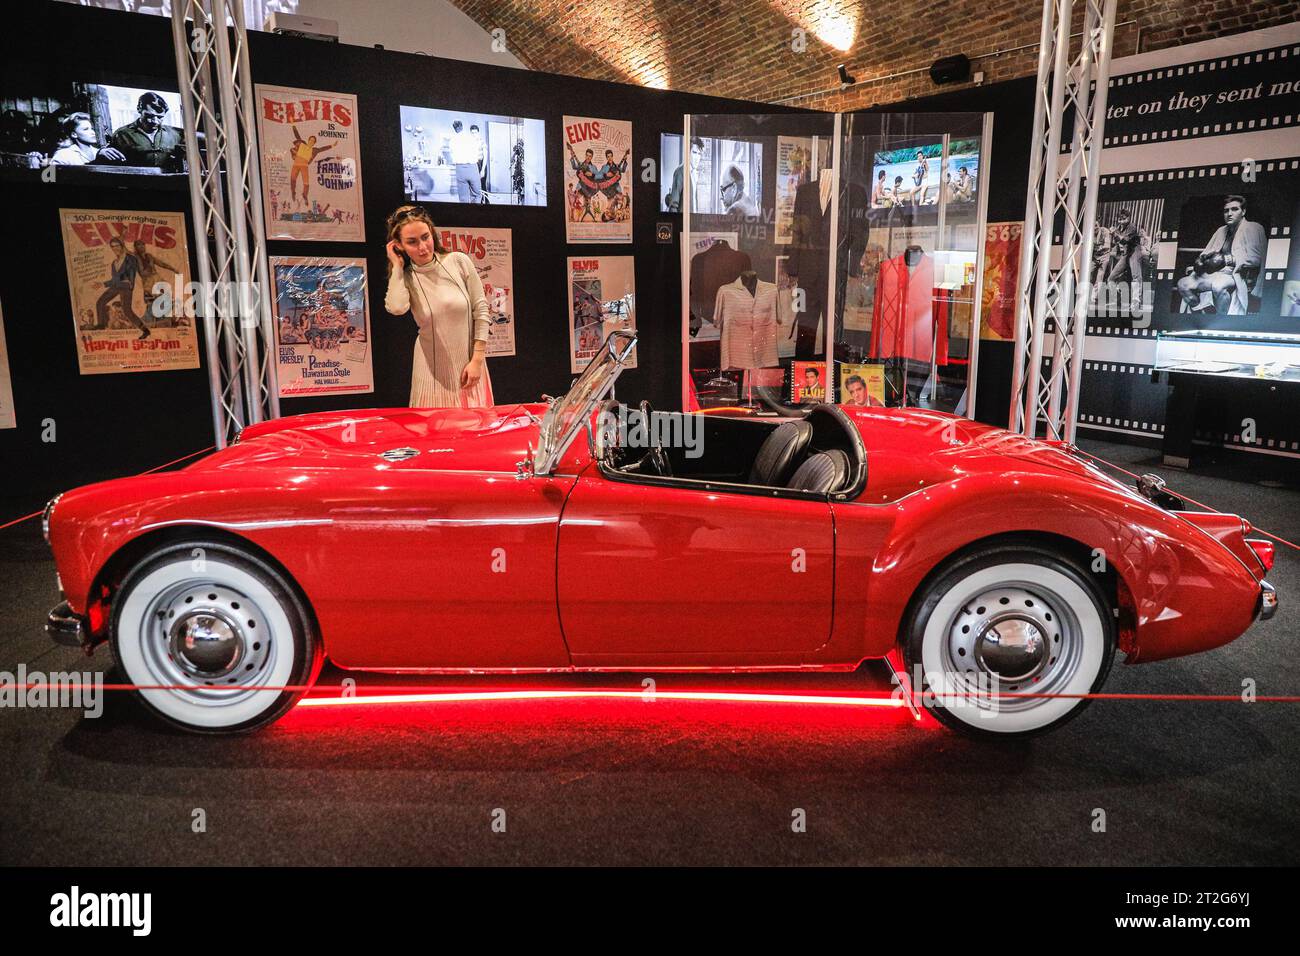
column 207, row 630
column 1005, row 639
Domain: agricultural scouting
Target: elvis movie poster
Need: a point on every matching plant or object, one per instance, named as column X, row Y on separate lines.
column 129, row 280
column 602, row 300
column 7, row 417
column 322, row 324
column 311, row 164
column 492, row 252
column 793, row 164
column 597, row 183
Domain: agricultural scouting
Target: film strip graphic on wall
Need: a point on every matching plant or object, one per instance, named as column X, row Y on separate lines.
column 1181, row 138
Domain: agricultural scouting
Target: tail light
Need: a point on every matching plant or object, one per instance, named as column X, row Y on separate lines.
column 1263, row 550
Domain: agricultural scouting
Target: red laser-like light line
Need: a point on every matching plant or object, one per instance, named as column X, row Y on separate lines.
column 416, row 693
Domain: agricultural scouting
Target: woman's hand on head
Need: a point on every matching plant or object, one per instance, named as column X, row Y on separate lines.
column 395, row 254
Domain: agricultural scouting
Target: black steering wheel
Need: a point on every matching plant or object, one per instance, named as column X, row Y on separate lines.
column 655, row 458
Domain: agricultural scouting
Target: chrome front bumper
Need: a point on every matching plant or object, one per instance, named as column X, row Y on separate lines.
column 66, row 627
column 1267, row 600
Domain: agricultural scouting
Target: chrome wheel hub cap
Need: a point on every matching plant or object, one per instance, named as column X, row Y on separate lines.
column 1016, row 639
column 206, row 643
column 1013, row 648
column 208, row 638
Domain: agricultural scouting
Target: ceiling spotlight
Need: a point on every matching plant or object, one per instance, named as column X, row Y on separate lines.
column 846, row 78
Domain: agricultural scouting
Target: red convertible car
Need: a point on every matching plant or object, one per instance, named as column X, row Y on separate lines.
column 1006, row 571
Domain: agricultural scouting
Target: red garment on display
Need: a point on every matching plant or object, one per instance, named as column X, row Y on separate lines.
column 908, row 318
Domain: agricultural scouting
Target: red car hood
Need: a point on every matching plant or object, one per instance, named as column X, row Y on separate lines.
column 447, row 439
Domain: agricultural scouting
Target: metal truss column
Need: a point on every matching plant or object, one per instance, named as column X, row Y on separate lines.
column 1071, row 87
column 234, row 303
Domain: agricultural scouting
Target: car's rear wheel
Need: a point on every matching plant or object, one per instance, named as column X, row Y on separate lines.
column 1006, row 639
column 211, row 633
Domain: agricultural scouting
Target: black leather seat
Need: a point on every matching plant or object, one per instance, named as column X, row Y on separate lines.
column 780, row 453
column 823, row 472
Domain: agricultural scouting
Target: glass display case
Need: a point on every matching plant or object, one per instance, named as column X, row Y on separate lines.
column 909, row 258
column 831, row 258
column 1223, row 354
column 755, row 258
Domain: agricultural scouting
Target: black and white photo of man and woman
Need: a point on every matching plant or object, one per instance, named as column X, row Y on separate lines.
column 92, row 126
column 464, row 157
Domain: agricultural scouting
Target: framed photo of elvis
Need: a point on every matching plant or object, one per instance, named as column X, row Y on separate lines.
column 1222, row 251
column 127, row 131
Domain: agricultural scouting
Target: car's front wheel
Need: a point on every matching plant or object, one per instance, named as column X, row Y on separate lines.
column 213, row 635
column 1005, row 641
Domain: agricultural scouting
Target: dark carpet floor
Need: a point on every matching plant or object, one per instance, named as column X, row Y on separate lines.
column 626, row 781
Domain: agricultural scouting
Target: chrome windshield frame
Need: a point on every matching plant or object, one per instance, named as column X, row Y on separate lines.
column 605, row 367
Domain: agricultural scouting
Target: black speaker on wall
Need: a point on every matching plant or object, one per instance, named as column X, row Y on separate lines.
column 951, row 69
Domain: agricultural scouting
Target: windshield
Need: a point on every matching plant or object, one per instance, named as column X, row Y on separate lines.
column 570, row 412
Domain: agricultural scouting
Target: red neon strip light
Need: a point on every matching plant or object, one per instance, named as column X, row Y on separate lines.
column 452, row 696
column 417, row 693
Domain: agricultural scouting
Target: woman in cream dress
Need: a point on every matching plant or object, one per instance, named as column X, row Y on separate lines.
column 443, row 292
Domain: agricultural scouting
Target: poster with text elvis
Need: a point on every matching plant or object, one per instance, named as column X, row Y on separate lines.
column 793, row 165
column 602, row 300
column 597, row 187
column 7, row 416
column 311, row 164
column 492, row 253
column 129, row 281
column 466, row 157
column 807, row 383
column 322, row 326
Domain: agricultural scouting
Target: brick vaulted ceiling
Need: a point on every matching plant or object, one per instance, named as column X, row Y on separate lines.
column 787, row 51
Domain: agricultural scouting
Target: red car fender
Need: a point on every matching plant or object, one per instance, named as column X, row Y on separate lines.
column 91, row 524
column 370, row 558
column 1187, row 592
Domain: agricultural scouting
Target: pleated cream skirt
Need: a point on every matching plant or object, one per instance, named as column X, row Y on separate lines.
column 428, row 392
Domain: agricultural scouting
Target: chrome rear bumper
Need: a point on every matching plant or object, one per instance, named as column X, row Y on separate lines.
column 66, row 627
column 1267, row 600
